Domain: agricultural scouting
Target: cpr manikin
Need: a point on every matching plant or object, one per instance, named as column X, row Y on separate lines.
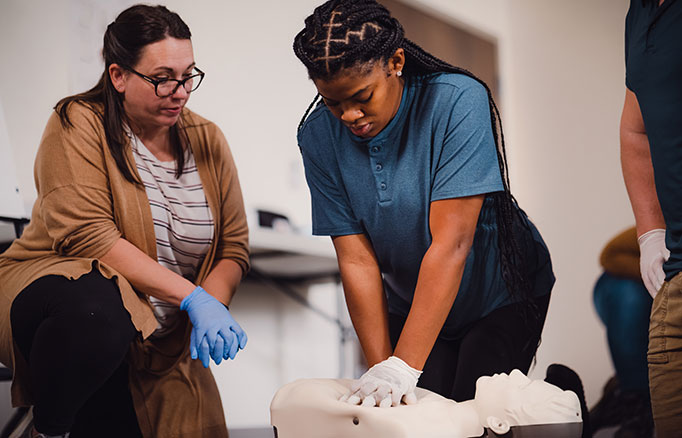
column 310, row 408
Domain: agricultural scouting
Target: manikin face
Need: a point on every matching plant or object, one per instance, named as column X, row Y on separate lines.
column 514, row 399
column 365, row 99
column 170, row 58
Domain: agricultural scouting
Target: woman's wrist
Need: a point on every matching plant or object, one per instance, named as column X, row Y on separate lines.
column 411, row 357
column 185, row 303
column 378, row 355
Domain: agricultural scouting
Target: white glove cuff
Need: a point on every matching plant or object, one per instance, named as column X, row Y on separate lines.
column 398, row 363
column 649, row 235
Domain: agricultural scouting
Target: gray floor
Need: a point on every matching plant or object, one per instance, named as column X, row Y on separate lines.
column 267, row 433
column 252, row 433
column 5, row 404
column 606, row 433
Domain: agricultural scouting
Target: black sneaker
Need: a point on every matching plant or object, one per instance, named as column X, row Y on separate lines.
column 638, row 420
column 37, row 434
column 608, row 411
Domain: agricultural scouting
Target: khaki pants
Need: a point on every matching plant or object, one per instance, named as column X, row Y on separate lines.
column 665, row 359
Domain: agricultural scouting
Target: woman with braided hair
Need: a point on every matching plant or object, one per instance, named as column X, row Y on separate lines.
column 445, row 277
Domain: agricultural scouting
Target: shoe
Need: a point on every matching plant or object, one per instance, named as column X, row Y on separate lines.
column 568, row 380
column 638, row 419
column 21, row 426
column 608, row 411
column 36, row 434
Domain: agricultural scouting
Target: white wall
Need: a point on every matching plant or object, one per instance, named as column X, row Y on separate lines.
column 566, row 91
column 562, row 87
column 486, row 18
column 34, row 76
column 256, row 91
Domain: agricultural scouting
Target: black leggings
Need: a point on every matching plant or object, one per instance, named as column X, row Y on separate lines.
column 74, row 335
column 497, row 343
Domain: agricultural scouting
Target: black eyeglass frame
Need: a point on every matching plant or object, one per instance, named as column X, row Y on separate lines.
column 180, row 82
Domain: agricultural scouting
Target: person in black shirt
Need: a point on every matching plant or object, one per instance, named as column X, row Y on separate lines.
column 651, row 155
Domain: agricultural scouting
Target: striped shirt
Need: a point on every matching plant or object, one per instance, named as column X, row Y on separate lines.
column 183, row 223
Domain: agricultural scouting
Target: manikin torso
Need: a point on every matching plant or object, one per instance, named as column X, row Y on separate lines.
column 310, row 408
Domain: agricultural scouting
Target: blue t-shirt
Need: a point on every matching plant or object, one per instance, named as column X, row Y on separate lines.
column 653, row 66
column 439, row 145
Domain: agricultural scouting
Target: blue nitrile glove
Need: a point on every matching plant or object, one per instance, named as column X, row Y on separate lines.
column 214, row 331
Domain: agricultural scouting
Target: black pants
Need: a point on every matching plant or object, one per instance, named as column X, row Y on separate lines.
column 74, row 335
column 497, row 343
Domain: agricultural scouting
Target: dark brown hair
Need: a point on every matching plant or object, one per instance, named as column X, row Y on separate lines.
column 124, row 39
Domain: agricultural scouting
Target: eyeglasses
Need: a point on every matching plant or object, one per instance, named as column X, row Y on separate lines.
column 168, row 87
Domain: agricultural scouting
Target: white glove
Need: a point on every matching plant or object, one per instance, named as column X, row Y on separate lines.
column 385, row 385
column 652, row 255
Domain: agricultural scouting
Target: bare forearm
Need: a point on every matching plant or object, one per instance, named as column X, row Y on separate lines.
column 440, row 275
column 364, row 291
column 146, row 274
column 639, row 180
column 368, row 310
column 638, row 171
column 223, row 280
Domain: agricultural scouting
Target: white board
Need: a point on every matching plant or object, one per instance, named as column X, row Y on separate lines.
column 11, row 202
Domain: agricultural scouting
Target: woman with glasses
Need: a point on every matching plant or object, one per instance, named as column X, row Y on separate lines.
column 136, row 245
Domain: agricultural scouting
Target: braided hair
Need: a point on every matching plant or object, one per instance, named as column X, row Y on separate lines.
column 343, row 34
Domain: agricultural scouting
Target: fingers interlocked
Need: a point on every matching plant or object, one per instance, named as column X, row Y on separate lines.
column 386, row 384
column 215, row 334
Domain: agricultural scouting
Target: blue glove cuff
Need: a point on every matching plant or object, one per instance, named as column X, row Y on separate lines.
column 188, row 299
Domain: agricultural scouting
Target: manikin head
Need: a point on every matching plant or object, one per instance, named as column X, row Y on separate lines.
column 505, row 400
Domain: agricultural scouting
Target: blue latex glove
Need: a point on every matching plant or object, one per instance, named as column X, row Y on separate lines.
column 215, row 334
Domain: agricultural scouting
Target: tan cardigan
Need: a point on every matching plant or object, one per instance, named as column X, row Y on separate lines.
column 84, row 206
